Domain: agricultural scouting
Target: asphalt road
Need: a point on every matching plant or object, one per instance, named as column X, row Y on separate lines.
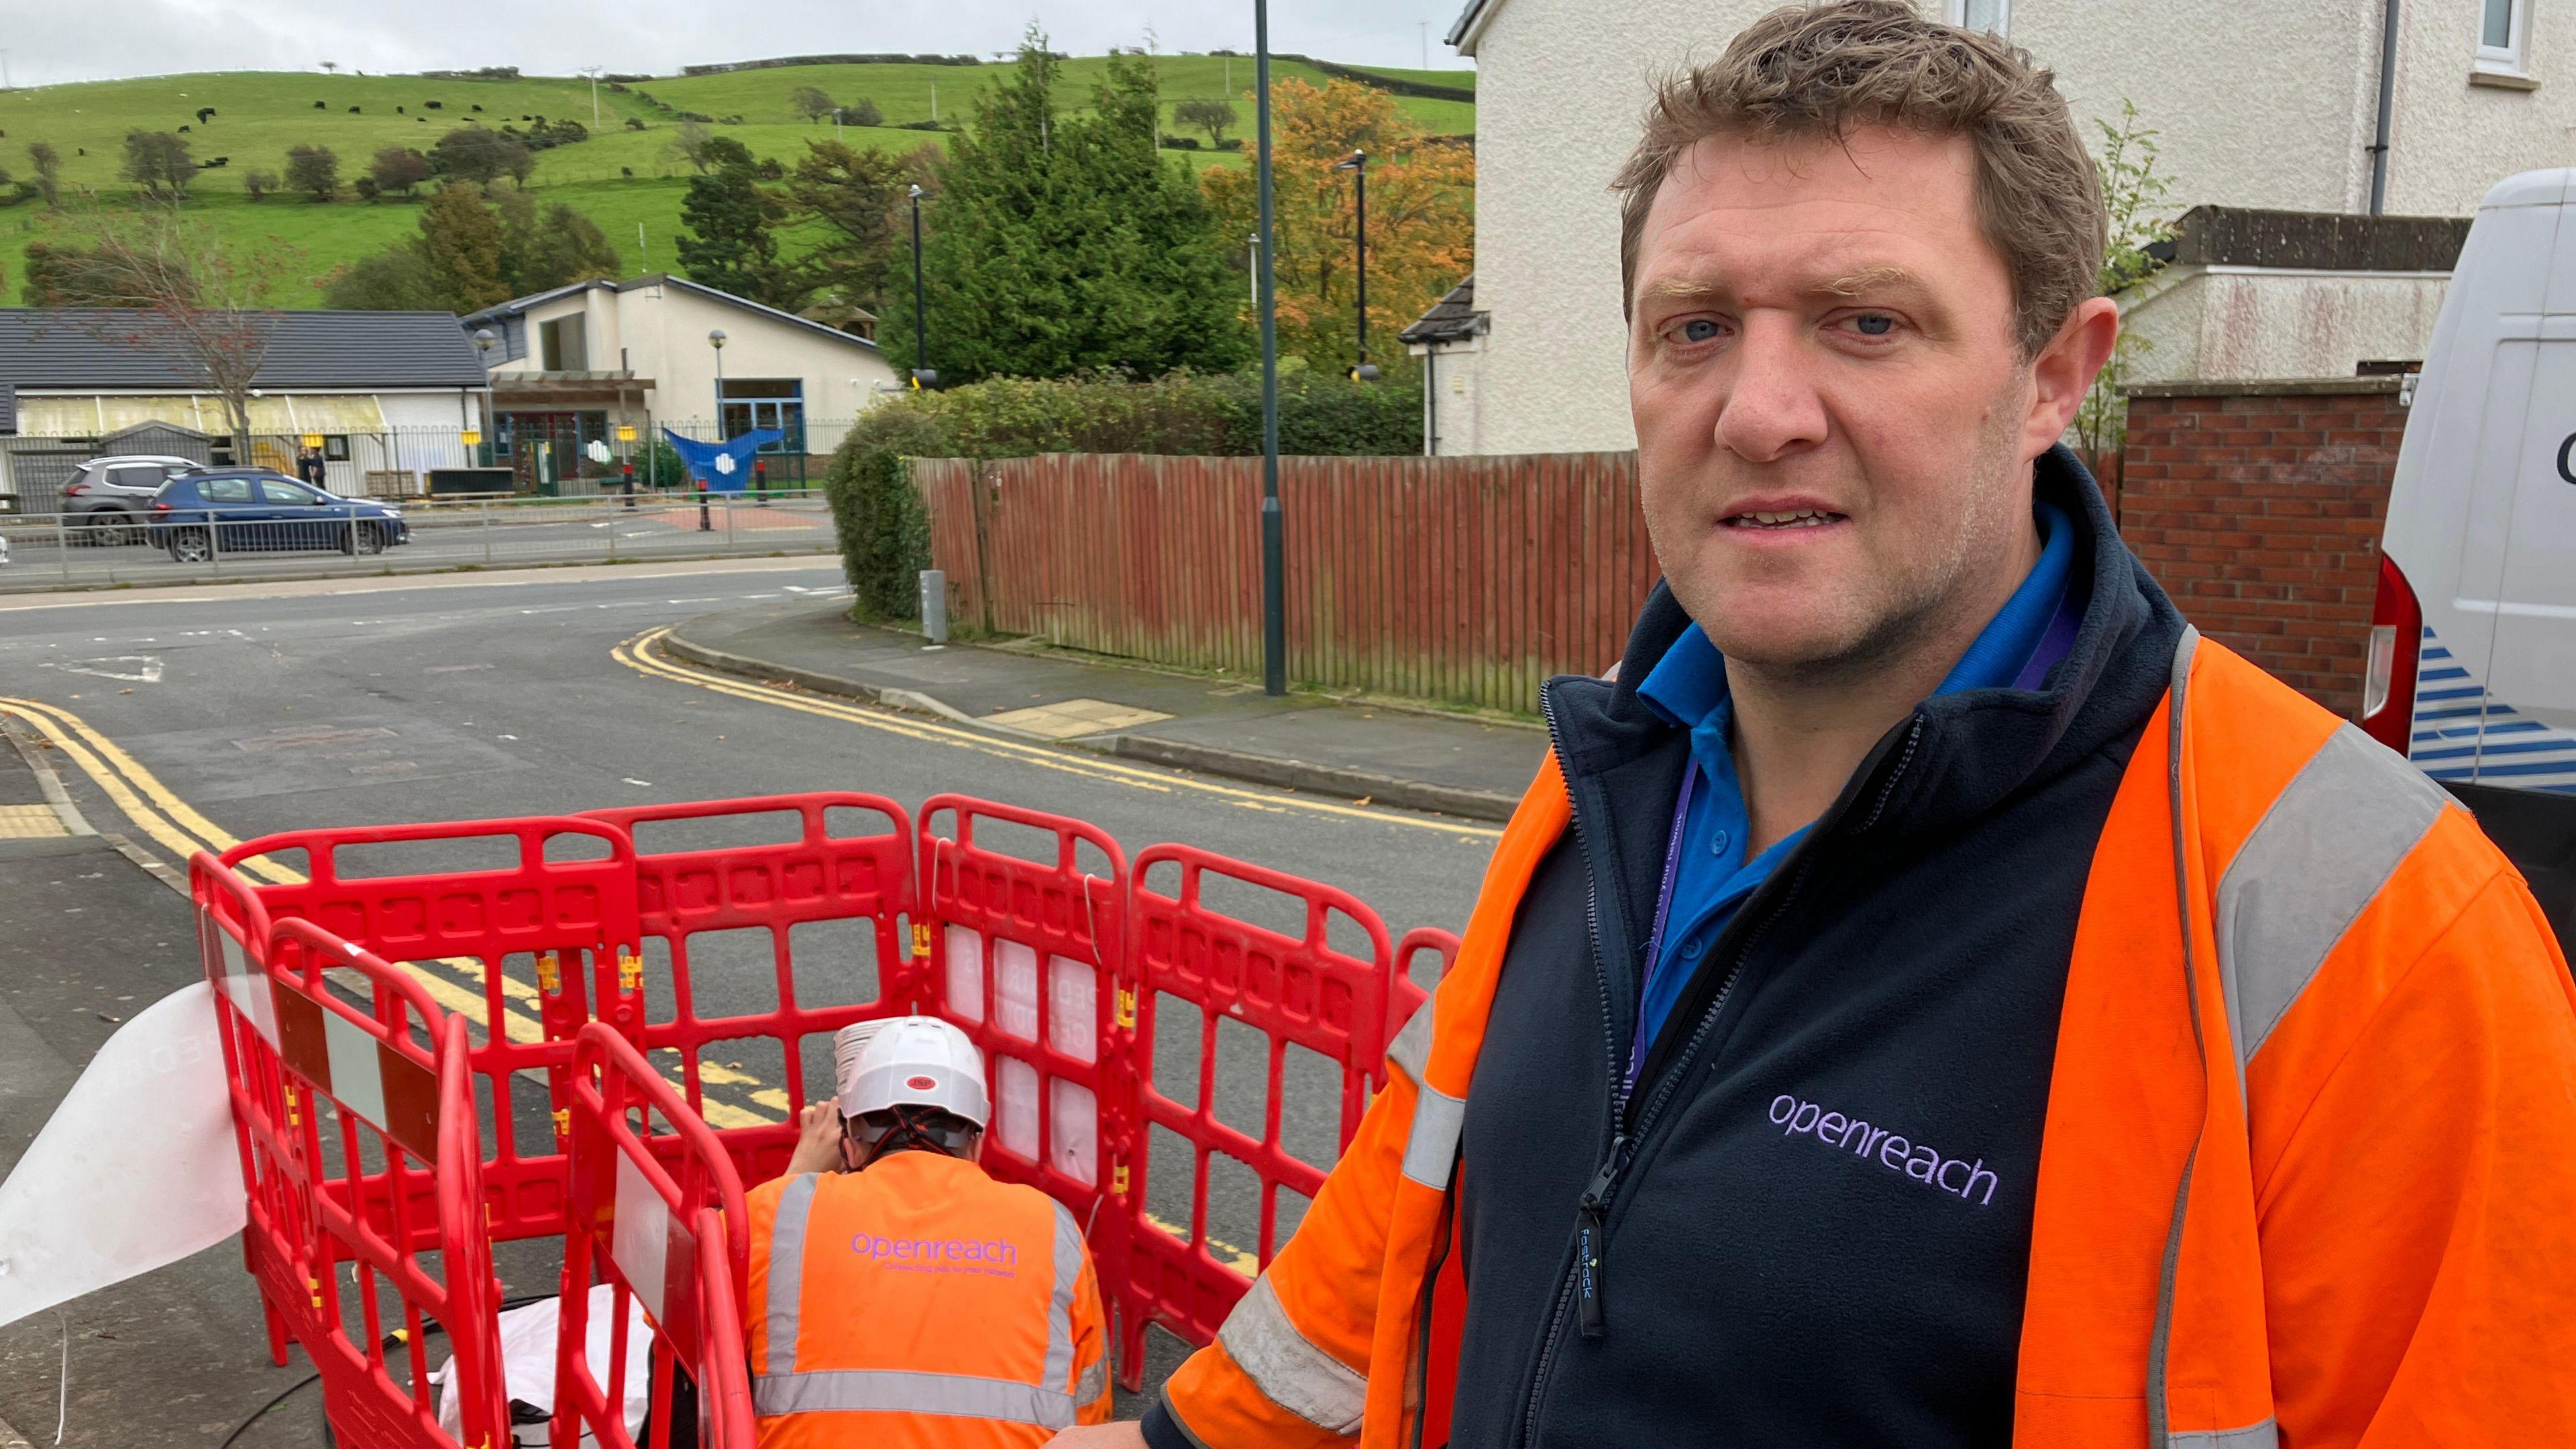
column 443, row 536
column 273, row 707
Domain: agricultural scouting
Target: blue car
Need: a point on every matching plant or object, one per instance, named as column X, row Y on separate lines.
column 236, row 510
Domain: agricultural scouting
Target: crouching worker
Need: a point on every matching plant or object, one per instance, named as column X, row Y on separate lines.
column 901, row 1297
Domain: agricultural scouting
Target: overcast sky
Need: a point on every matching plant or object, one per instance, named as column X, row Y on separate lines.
column 50, row 41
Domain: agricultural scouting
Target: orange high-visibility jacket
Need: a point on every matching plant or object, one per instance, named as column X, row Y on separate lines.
column 2309, row 1171
column 920, row 1303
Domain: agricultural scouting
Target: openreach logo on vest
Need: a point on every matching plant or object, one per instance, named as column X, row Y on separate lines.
column 1960, row 1178
column 993, row 1257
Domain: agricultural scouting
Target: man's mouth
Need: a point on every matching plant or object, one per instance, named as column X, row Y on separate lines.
column 1795, row 518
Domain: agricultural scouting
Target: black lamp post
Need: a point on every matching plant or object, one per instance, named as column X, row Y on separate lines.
column 484, row 340
column 716, row 340
column 1274, row 566
column 1357, row 165
column 923, row 374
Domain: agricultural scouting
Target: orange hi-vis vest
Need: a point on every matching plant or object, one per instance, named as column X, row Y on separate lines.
column 920, row 1303
column 2309, row 1171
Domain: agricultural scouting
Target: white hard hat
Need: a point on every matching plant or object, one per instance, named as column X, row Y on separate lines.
column 909, row 1061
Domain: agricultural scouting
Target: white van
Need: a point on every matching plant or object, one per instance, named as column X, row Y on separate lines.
column 2472, row 665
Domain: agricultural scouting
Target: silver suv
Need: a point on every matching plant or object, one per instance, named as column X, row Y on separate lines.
column 108, row 500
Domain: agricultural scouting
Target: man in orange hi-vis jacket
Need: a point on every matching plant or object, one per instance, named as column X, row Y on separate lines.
column 1930, row 997
column 900, row 1297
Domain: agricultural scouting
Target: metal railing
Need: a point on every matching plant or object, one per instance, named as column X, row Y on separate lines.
column 396, row 463
column 55, row 551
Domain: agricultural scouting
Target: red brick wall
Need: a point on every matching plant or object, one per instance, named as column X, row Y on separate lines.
column 2258, row 506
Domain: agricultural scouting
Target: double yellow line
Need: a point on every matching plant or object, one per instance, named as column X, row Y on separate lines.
column 644, row 655
column 155, row 809
column 179, row 828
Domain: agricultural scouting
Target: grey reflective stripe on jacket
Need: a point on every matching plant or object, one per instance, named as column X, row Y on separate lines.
column 2320, row 855
column 1049, row 1403
column 787, row 1272
column 2266, row 1435
column 899, row 1391
column 1431, row 1142
column 1068, row 1274
column 1289, row 1370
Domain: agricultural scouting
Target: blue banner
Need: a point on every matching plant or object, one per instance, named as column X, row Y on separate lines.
column 722, row 467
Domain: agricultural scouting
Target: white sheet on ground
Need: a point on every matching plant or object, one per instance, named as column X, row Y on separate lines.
column 528, row 1361
column 136, row 1169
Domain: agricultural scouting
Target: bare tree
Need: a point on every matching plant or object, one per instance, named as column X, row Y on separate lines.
column 331, row 66
column 314, row 169
column 166, row 285
column 49, row 171
column 690, row 140
column 399, row 168
column 157, row 161
column 810, row 102
column 1207, row 113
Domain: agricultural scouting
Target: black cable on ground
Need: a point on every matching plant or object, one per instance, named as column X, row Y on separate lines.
column 390, row 1340
column 243, row 1427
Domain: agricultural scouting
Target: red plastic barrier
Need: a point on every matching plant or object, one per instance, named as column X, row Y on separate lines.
column 1053, row 970
column 1410, row 994
column 659, row 1216
column 467, row 925
column 724, row 1384
column 813, row 878
column 1056, row 1038
column 1294, row 990
column 395, row 1179
column 232, row 944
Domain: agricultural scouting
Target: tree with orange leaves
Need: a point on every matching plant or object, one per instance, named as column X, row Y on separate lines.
column 1421, row 219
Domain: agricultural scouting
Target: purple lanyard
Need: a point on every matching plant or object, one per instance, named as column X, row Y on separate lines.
column 1663, row 913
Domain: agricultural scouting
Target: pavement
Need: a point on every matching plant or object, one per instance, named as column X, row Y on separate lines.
column 179, row 1354
column 1385, row 754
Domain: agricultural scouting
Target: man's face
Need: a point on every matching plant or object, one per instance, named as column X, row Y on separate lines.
column 1833, row 418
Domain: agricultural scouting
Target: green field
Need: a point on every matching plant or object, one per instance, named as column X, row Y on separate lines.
column 622, row 177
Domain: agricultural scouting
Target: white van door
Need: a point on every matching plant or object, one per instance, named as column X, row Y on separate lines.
column 2529, row 741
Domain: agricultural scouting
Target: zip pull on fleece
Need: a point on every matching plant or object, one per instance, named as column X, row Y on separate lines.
column 1592, row 1239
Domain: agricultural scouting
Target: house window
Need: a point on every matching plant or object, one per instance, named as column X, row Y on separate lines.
column 565, row 344
column 1994, row 16
column 2504, row 35
column 335, row 447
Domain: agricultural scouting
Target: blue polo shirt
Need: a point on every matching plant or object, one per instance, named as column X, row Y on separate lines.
column 1710, row 875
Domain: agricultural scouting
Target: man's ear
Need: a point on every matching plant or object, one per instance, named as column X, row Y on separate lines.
column 2064, row 371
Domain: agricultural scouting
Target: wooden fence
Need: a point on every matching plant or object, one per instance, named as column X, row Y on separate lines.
column 1469, row 580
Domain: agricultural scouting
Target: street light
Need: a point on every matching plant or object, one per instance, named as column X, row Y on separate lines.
column 1274, row 567
column 923, row 375
column 483, row 343
column 716, row 340
column 1357, row 165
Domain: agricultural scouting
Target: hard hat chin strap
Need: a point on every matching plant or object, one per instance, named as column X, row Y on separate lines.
column 911, row 1129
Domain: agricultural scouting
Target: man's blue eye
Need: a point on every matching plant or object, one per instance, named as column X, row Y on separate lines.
column 1698, row 329
column 1874, row 324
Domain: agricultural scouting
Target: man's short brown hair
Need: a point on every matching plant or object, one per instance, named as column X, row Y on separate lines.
column 1823, row 70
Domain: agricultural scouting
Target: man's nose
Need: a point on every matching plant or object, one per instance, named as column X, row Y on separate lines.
column 1772, row 410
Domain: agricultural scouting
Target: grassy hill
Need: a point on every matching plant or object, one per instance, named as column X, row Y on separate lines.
column 623, row 176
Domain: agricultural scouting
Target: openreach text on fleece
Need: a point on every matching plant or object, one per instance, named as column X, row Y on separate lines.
column 1892, row 1152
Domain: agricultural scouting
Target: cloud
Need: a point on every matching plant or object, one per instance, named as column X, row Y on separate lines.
column 49, row 43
